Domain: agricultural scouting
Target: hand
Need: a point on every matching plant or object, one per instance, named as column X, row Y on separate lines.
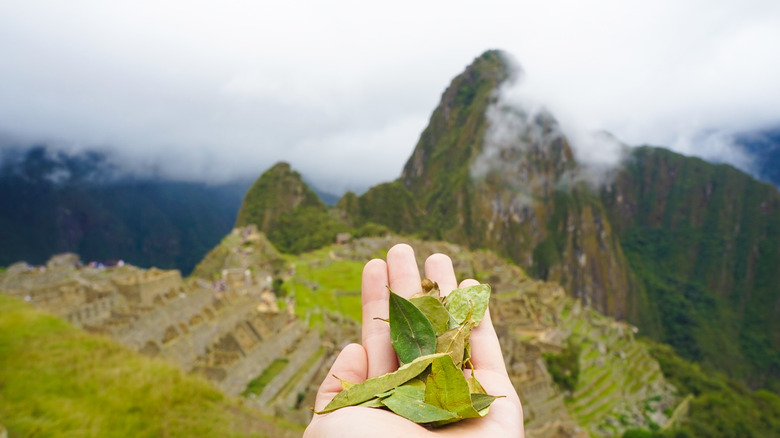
column 376, row 356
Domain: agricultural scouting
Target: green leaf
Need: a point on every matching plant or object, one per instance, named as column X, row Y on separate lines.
column 453, row 342
column 447, row 389
column 411, row 334
column 415, row 409
column 375, row 402
column 367, row 390
column 481, row 402
column 434, row 310
column 414, row 391
column 416, row 382
column 472, row 299
column 474, row 385
column 345, row 384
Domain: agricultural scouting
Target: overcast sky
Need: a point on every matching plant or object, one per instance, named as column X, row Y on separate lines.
column 342, row 90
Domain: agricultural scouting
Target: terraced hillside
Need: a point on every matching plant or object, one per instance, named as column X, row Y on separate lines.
column 267, row 326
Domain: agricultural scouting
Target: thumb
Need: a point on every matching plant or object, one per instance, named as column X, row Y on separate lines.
column 350, row 365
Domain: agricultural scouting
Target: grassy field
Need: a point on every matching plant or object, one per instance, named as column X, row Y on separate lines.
column 57, row 380
column 322, row 283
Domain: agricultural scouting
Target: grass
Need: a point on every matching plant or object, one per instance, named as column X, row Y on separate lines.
column 258, row 384
column 57, row 380
column 337, row 286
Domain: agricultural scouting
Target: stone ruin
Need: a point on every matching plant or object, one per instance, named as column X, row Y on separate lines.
column 228, row 331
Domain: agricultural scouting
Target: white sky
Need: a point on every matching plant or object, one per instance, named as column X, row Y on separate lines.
column 343, row 89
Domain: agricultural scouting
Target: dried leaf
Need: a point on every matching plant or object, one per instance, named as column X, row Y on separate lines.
column 345, row 384
column 475, row 386
column 415, row 409
column 481, row 402
column 472, row 299
column 411, row 333
column 446, row 388
column 375, row 402
column 414, row 391
column 367, row 390
column 467, row 355
column 416, row 382
column 453, row 342
column 434, row 310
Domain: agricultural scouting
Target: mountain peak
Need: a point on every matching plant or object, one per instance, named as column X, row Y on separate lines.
column 279, row 190
column 491, row 172
column 459, row 115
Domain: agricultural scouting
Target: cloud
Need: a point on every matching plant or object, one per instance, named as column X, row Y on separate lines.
column 214, row 90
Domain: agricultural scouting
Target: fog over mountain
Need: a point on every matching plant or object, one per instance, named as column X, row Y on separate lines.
column 213, row 91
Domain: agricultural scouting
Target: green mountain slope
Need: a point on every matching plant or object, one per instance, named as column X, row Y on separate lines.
column 281, row 205
column 489, row 174
column 53, row 203
column 705, row 240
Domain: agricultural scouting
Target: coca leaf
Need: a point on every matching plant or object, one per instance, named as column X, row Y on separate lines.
column 447, row 389
column 411, row 333
column 481, row 402
column 453, row 342
column 369, row 389
column 415, row 409
column 475, row 386
column 434, row 310
column 472, row 299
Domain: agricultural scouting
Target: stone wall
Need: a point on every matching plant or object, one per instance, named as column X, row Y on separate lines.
column 142, row 287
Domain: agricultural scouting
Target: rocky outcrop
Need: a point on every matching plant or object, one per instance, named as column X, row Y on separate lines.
column 493, row 175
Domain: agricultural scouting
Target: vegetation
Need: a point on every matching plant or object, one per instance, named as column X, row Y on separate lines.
column 59, row 381
column 446, row 148
column 721, row 406
column 258, row 384
column 391, row 205
column 321, row 284
column 303, row 229
column 60, row 203
column 565, row 366
column 705, row 246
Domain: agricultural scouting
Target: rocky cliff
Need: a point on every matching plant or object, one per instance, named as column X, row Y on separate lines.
column 493, row 175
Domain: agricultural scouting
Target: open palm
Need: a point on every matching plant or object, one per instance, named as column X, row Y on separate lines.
column 376, row 356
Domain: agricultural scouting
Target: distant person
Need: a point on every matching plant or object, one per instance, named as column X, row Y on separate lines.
column 376, row 356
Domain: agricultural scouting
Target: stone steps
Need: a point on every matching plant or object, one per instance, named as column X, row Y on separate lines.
column 298, row 354
column 598, row 389
column 289, row 396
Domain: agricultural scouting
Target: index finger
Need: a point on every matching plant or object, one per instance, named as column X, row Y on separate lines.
column 375, row 330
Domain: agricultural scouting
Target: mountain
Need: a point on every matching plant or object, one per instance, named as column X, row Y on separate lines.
column 492, row 175
column 54, row 202
column 685, row 249
column 705, row 241
column 281, row 205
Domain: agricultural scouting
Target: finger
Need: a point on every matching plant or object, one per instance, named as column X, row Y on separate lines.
column 402, row 270
column 350, row 365
column 485, row 348
column 438, row 268
column 376, row 332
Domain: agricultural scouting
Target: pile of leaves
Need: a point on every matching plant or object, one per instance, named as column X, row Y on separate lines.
column 430, row 334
